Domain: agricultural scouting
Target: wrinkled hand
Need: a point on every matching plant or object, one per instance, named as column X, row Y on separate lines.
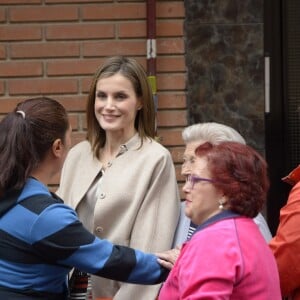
column 168, row 258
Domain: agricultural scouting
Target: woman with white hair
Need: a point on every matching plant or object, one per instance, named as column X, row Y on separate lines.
column 193, row 136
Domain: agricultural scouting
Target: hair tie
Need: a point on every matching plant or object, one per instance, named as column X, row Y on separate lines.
column 21, row 112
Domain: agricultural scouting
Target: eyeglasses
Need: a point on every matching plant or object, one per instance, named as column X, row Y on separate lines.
column 191, row 180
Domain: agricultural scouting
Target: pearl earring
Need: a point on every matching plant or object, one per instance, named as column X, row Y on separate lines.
column 221, row 207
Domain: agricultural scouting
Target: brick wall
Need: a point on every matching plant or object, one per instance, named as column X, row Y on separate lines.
column 53, row 47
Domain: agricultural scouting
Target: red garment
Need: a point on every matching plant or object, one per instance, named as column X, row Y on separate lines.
column 286, row 245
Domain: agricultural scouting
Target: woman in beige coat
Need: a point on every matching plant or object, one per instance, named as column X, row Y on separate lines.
column 122, row 182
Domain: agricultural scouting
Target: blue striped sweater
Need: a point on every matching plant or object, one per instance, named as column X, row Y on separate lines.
column 41, row 239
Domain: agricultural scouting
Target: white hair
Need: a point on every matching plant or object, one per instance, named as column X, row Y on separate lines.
column 214, row 133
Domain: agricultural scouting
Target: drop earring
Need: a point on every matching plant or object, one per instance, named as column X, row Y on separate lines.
column 221, row 206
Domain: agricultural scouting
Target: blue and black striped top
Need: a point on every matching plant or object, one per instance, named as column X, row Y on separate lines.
column 41, row 239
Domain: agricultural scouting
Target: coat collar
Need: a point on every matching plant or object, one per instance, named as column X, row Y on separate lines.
column 91, row 169
column 226, row 214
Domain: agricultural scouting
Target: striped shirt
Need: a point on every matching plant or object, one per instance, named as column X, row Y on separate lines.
column 41, row 239
column 191, row 230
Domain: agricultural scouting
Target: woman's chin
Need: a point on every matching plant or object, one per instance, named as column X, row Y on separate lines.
column 187, row 212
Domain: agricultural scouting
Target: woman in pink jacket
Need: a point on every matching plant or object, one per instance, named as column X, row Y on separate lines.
column 226, row 257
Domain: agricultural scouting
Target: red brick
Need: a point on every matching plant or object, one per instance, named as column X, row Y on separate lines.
column 2, row 52
column 114, row 11
column 2, row 15
column 171, row 100
column 84, row 123
column 21, row 69
column 45, row 50
column 78, row 137
column 170, row 63
column 8, row 104
column 75, row 1
column 167, row 118
column 107, row 48
column 2, row 89
column 178, row 172
column 42, row 86
column 71, row 103
column 85, row 84
column 170, row 46
column 142, row 60
column 20, row 33
column 171, row 82
column 74, row 122
column 73, row 67
column 169, row 28
column 74, row 103
column 43, row 14
column 136, row 29
column 170, row 137
column 3, row 2
column 164, row 28
column 177, row 153
column 111, row 27
column 79, row 31
column 170, row 9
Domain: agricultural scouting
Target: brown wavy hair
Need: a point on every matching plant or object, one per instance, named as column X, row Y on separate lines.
column 145, row 118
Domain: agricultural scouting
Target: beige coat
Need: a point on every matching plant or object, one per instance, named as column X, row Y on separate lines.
column 138, row 203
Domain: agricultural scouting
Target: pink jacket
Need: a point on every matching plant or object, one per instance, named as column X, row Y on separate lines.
column 227, row 259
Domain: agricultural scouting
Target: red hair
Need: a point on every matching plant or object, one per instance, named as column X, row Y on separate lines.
column 240, row 173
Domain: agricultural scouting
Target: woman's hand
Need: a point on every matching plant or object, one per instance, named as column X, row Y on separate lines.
column 168, row 258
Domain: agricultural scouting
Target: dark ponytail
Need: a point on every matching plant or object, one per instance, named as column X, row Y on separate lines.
column 26, row 135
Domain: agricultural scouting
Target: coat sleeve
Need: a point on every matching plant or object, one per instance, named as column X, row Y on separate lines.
column 155, row 223
column 60, row 237
column 286, row 243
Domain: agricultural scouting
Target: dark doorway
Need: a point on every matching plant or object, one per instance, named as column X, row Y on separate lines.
column 282, row 116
